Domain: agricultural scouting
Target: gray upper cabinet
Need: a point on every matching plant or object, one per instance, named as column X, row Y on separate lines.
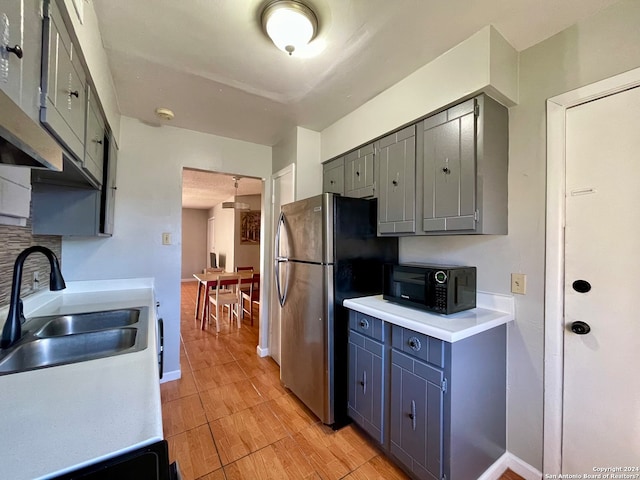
column 465, row 155
column 396, row 167
column 94, row 141
column 20, row 56
column 63, row 109
column 359, row 180
column 333, row 176
column 109, row 189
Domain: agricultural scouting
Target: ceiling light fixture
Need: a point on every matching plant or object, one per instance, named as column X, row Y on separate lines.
column 164, row 113
column 290, row 24
column 236, row 204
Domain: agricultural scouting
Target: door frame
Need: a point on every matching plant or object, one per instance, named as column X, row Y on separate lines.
column 554, row 262
column 289, row 169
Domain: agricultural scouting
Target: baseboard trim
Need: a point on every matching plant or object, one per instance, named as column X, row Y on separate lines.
column 510, row 461
column 262, row 352
column 170, row 376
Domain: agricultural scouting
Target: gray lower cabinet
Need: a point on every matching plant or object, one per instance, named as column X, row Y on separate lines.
column 359, row 180
column 333, row 176
column 465, row 162
column 396, row 167
column 416, row 427
column 438, row 409
column 21, row 24
column 367, row 372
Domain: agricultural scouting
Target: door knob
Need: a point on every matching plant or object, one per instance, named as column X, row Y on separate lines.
column 580, row 328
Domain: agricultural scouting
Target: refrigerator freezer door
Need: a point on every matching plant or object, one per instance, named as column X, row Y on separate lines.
column 304, row 235
column 307, row 340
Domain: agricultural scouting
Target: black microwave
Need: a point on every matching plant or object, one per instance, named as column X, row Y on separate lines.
column 437, row 288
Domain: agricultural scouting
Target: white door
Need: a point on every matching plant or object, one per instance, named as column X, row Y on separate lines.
column 283, row 189
column 210, row 240
column 601, row 405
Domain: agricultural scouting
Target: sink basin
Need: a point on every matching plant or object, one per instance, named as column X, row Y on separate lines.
column 46, row 352
column 89, row 322
column 62, row 339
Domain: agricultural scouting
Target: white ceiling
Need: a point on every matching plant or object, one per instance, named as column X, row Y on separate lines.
column 209, row 61
column 204, row 190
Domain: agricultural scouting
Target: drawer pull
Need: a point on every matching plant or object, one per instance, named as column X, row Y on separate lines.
column 414, row 344
column 95, row 140
column 74, row 93
column 364, row 324
column 412, row 415
column 363, row 383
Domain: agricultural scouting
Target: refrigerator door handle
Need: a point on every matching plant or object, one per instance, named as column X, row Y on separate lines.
column 282, row 296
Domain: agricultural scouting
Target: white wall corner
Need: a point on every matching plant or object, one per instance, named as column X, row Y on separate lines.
column 308, row 160
column 503, row 69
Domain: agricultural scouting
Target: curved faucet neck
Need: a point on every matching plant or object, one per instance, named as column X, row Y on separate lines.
column 12, row 328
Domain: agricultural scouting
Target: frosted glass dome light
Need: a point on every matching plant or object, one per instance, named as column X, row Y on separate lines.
column 290, row 24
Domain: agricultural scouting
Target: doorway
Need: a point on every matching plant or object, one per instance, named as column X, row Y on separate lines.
column 283, row 189
column 592, row 236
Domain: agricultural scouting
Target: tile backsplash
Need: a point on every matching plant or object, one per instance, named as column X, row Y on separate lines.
column 14, row 239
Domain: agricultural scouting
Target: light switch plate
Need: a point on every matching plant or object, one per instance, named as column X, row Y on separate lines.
column 166, row 238
column 518, row 283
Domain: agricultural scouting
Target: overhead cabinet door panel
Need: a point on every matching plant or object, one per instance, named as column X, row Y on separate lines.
column 397, row 166
column 450, row 170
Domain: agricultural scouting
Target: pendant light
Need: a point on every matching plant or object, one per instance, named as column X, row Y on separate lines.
column 236, row 204
column 290, row 24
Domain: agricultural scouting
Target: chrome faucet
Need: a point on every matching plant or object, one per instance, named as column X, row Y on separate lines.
column 12, row 330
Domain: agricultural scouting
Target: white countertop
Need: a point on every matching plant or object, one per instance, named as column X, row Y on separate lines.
column 58, row 419
column 492, row 310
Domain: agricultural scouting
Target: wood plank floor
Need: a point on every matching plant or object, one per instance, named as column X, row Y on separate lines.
column 229, row 418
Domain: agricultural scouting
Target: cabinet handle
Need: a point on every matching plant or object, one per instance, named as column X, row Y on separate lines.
column 395, row 183
column 331, row 182
column 363, row 383
column 446, row 170
column 16, row 50
column 97, row 141
column 364, row 323
column 412, row 415
column 414, row 344
column 357, row 174
column 74, row 93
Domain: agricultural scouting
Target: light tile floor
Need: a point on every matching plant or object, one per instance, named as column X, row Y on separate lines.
column 228, row 417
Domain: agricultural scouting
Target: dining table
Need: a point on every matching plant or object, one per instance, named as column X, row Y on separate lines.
column 207, row 281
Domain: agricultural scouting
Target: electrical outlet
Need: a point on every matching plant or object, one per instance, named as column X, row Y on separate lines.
column 166, row 238
column 36, row 280
column 518, row 283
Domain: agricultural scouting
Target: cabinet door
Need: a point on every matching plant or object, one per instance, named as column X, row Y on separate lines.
column 11, row 64
column 333, row 177
column 396, row 196
column 366, row 384
column 94, row 141
column 416, row 416
column 63, row 84
column 450, row 170
column 359, row 173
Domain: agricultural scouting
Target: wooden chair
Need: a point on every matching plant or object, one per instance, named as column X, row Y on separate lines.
column 245, row 286
column 251, row 297
column 227, row 292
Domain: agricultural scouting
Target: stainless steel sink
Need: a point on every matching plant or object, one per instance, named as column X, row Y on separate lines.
column 89, row 322
column 62, row 339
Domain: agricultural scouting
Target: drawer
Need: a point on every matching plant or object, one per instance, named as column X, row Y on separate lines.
column 367, row 325
column 418, row 345
column 367, row 344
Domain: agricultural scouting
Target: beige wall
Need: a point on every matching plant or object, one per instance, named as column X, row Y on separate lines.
column 194, row 241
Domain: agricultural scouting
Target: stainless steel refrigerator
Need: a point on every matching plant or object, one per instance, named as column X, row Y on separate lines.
column 326, row 250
